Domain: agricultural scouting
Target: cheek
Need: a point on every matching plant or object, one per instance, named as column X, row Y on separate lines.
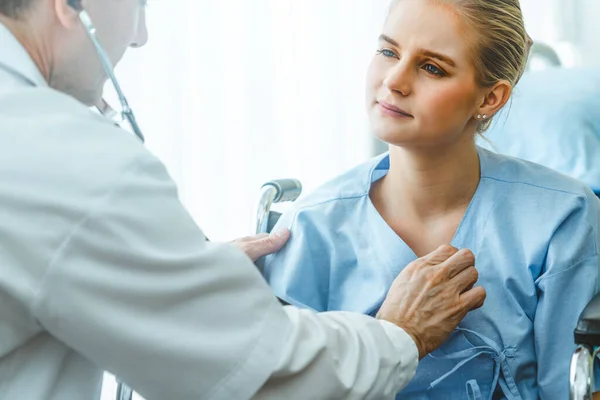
column 449, row 103
column 126, row 25
column 373, row 81
column 119, row 29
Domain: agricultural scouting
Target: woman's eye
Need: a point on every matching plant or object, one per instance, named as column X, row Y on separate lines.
column 387, row 53
column 433, row 70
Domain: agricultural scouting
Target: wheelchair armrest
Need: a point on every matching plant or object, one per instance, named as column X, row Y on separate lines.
column 588, row 328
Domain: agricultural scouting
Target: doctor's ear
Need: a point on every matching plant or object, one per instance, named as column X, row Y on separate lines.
column 495, row 98
column 67, row 12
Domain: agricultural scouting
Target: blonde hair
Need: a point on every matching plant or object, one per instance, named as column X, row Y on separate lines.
column 501, row 42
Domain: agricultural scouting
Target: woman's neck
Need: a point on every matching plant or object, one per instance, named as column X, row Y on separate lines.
column 428, row 183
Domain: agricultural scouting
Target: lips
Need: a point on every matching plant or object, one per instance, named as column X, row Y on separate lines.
column 392, row 108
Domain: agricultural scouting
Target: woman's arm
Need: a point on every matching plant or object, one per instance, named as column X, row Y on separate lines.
column 568, row 282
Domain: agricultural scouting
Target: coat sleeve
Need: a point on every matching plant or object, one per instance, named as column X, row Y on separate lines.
column 135, row 288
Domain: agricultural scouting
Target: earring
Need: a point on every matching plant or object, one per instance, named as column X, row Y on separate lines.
column 484, row 116
column 478, row 116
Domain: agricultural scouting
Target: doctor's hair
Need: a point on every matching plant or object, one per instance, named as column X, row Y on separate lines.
column 14, row 8
column 501, row 46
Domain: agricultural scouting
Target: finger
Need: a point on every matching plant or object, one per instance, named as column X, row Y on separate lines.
column 440, row 254
column 247, row 239
column 257, row 237
column 268, row 244
column 466, row 279
column 474, row 298
column 458, row 262
column 279, row 238
column 468, row 288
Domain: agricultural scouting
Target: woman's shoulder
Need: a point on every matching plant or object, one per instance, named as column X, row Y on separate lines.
column 523, row 177
column 351, row 185
column 336, row 200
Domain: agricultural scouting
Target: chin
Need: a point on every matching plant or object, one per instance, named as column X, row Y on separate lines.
column 392, row 140
column 402, row 137
column 390, row 134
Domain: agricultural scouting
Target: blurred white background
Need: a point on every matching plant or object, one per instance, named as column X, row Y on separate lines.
column 570, row 26
column 231, row 94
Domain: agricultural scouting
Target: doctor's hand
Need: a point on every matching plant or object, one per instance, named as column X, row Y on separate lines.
column 432, row 295
column 264, row 244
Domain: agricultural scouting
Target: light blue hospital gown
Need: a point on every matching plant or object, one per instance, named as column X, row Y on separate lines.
column 535, row 236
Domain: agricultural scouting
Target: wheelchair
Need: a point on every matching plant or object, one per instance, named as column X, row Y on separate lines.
column 272, row 192
column 277, row 191
column 587, row 339
column 124, row 392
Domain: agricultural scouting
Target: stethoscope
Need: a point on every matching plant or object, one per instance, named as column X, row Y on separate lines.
column 126, row 111
column 123, row 391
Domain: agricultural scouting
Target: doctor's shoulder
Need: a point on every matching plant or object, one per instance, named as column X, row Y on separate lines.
column 62, row 136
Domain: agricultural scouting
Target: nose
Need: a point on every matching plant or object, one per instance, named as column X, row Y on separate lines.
column 141, row 34
column 399, row 78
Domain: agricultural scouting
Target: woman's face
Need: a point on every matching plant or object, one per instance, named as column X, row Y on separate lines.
column 421, row 85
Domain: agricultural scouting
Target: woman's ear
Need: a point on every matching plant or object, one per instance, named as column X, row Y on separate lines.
column 495, row 98
column 67, row 12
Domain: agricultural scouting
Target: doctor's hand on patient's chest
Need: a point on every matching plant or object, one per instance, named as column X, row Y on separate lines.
column 432, row 295
column 261, row 245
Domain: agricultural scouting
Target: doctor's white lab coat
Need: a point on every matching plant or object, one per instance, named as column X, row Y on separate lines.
column 102, row 268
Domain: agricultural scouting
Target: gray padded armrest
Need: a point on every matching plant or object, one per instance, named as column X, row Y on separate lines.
column 588, row 328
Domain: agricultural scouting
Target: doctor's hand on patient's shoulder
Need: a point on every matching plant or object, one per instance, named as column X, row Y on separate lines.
column 432, row 295
column 264, row 244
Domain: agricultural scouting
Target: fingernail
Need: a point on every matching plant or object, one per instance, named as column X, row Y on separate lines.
column 281, row 233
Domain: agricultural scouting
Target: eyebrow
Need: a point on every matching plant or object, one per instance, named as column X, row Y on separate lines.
column 385, row 38
column 428, row 53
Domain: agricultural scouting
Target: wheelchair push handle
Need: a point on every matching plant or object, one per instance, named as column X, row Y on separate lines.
column 285, row 189
column 277, row 191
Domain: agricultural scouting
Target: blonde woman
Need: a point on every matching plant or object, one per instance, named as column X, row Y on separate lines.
column 442, row 70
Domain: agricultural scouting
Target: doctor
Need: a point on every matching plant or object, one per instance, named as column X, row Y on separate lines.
column 101, row 267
